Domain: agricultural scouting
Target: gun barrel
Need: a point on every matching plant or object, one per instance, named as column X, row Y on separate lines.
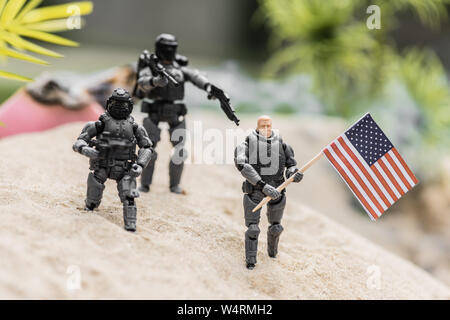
column 170, row 78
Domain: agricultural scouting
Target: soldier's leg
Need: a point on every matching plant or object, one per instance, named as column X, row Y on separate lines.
column 177, row 132
column 127, row 193
column 154, row 133
column 274, row 215
column 95, row 187
column 252, row 233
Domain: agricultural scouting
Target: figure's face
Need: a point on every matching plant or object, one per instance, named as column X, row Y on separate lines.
column 265, row 127
column 166, row 52
column 119, row 110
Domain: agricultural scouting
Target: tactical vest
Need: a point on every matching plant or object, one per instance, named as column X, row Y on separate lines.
column 267, row 157
column 116, row 142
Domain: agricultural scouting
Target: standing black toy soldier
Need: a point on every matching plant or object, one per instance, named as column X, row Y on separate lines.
column 160, row 83
column 113, row 154
column 264, row 160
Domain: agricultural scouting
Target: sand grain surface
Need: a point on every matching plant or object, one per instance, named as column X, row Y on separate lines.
column 186, row 247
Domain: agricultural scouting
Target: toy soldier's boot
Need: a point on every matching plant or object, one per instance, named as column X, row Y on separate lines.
column 129, row 216
column 175, row 171
column 147, row 174
column 154, row 133
column 274, row 215
column 127, row 193
column 252, row 233
column 95, row 187
column 176, row 165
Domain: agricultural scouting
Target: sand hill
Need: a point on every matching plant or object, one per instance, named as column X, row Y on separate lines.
column 186, row 247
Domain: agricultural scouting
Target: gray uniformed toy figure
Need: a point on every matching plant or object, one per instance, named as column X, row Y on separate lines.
column 264, row 160
column 110, row 143
column 160, row 83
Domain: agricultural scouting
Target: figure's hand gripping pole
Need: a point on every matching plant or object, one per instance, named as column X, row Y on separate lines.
column 288, row 181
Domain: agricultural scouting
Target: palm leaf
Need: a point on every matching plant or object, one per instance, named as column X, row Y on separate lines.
column 51, row 25
column 13, row 76
column 43, row 36
column 56, row 12
column 5, row 51
column 18, row 42
column 10, row 11
column 22, row 18
column 28, row 7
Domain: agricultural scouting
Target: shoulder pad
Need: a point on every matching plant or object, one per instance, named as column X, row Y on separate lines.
column 181, row 60
column 104, row 117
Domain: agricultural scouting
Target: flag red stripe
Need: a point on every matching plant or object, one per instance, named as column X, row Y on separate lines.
column 364, row 171
column 384, row 183
column 357, row 177
column 390, row 176
column 350, row 183
column 399, row 157
column 398, row 171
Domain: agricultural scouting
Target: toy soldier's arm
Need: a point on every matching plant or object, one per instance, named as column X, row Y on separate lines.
column 146, row 79
column 196, row 78
column 90, row 130
column 145, row 146
column 291, row 164
column 241, row 162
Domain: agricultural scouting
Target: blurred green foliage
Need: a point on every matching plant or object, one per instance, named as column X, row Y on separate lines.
column 284, row 108
column 351, row 65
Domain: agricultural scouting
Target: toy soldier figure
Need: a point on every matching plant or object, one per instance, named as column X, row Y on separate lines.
column 113, row 154
column 160, row 83
column 264, row 159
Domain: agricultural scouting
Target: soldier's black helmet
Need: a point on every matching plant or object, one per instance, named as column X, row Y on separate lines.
column 166, row 46
column 120, row 104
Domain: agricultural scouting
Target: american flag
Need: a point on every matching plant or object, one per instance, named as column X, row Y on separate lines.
column 371, row 166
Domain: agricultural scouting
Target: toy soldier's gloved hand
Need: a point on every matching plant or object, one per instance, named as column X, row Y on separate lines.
column 90, row 152
column 159, row 81
column 298, row 175
column 136, row 170
column 208, row 91
column 270, row 191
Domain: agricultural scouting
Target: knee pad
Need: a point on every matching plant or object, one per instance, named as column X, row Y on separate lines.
column 275, row 229
column 253, row 231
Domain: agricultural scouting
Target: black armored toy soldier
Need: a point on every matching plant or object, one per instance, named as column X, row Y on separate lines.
column 264, row 159
column 160, row 83
column 110, row 143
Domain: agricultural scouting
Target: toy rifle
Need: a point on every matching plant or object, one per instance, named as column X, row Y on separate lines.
column 224, row 103
column 152, row 61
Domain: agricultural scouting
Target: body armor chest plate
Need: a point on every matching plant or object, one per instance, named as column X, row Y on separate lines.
column 170, row 92
column 268, row 158
column 119, row 129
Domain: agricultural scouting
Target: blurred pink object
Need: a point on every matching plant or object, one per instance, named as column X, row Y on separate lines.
column 21, row 113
